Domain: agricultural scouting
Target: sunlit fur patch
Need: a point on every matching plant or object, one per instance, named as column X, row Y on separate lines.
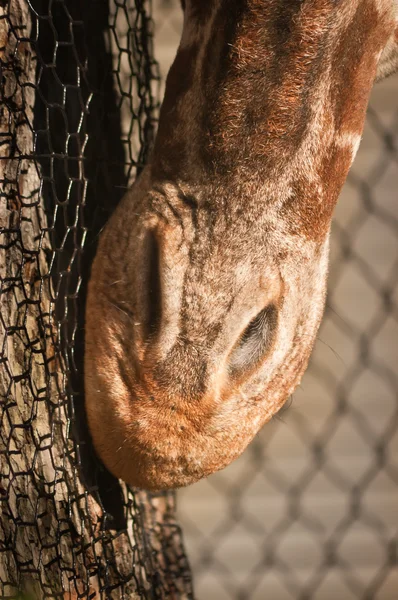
column 350, row 140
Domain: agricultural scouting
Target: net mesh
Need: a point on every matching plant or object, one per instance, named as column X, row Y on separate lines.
column 77, row 114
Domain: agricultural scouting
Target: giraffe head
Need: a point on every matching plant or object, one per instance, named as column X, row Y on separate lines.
column 208, row 286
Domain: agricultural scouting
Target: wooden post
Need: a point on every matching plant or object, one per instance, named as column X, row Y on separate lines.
column 54, row 541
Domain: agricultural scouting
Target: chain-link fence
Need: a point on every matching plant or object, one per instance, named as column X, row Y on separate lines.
column 310, row 511
column 77, row 114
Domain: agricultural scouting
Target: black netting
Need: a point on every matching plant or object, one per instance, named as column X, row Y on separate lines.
column 77, row 113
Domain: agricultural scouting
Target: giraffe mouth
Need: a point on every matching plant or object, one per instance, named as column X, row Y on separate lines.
column 175, row 396
column 165, row 440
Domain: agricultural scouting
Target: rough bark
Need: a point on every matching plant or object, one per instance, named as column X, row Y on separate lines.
column 54, row 538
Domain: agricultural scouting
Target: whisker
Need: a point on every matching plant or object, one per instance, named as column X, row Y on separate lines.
column 337, row 355
column 124, row 312
column 318, row 339
column 117, row 281
column 279, row 416
column 330, row 307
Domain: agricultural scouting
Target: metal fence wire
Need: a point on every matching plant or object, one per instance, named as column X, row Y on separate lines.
column 77, row 113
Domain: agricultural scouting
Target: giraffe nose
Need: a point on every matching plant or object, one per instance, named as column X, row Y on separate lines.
column 151, row 289
column 158, row 283
column 254, row 343
column 231, row 347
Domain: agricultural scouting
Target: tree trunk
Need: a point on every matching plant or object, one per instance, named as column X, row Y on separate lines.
column 55, row 538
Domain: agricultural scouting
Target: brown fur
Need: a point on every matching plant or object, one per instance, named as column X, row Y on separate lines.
column 208, row 285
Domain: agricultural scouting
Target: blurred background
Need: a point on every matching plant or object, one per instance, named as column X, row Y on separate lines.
column 310, row 511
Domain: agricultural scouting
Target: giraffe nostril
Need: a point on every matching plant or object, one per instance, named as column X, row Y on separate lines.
column 254, row 343
column 152, row 286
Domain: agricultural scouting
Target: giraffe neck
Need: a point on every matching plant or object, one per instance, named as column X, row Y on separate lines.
column 272, row 91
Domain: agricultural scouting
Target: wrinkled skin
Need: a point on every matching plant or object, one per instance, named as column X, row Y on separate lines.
column 208, row 286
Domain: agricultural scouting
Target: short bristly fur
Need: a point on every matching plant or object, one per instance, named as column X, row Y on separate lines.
column 209, row 282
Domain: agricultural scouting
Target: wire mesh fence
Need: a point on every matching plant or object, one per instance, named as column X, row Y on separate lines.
column 77, row 113
column 310, row 511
